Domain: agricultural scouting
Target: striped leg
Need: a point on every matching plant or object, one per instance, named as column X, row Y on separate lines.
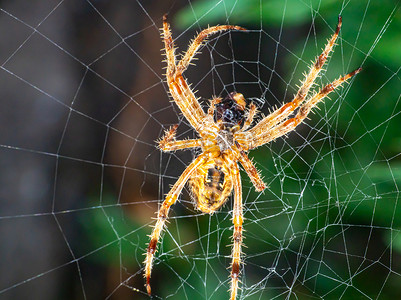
column 168, row 47
column 287, row 109
column 197, row 42
column 163, row 214
column 178, row 86
column 237, row 235
column 303, row 112
column 252, row 172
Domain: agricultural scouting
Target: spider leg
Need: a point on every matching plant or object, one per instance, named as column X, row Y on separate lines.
column 303, row 112
column 250, row 169
column 169, row 48
column 309, row 104
column 317, row 67
column 237, row 234
column 212, row 107
column 182, row 144
column 287, row 109
column 162, row 215
column 197, row 43
column 179, row 89
column 249, row 119
column 252, row 172
column 168, row 142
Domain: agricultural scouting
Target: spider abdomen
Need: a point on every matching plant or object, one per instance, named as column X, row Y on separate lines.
column 211, row 185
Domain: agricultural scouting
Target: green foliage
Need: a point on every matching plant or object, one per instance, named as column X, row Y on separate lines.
column 277, row 13
column 271, row 12
column 110, row 231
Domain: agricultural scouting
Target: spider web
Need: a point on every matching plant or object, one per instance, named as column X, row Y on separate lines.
column 83, row 99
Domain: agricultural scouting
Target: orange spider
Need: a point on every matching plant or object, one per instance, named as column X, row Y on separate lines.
column 225, row 138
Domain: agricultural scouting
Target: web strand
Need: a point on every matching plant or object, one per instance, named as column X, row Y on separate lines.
column 84, row 98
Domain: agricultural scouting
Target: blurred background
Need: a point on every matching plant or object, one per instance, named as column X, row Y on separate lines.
column 83, row 99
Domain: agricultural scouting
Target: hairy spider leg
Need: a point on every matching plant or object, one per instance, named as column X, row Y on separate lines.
column 309, row 104
column 181, row 144
column 179, row 89
column 181, row 93
column 168, row 142
column 196, row 43
column 169, row 48
column 251, row 171
column 236, row 254
column 212, row 105
column 162, row 215
column 317, row 67
column 287, row 109
column 289, row 125
column 249, row 119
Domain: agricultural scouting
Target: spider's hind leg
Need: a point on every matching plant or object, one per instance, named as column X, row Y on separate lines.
column 162, row 216
column 236, row 254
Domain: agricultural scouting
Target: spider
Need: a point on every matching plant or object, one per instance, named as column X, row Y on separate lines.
column 225, row 137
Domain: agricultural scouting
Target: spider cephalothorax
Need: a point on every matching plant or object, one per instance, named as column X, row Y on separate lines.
column 225, row 137
column 230, row 111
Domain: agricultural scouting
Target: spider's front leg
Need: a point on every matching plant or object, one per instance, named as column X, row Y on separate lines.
column 212, row 105
column 162, row 215
column 181, row 93
column 278, row 122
